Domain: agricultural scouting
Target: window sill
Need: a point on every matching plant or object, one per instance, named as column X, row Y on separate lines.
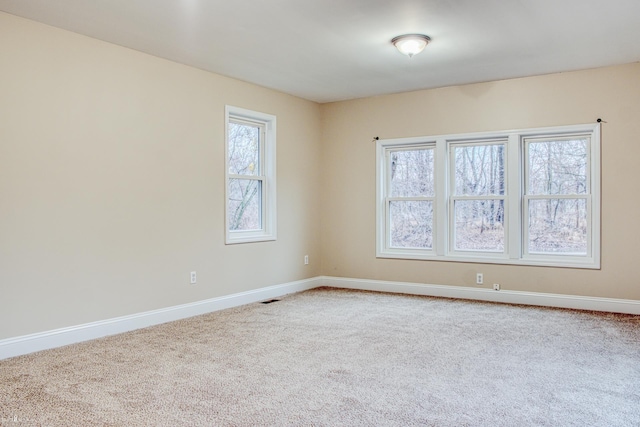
column 233, row 240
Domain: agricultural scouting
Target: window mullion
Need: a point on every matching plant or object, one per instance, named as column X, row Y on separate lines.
column 513, row 216
column 489, row 197
column 558, row 196
column 441, row 223
column 410, row 199
column 251, row 177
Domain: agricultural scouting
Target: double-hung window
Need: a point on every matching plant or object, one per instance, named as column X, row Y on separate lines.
column 477, row 197
column 558, row 200
column 529, row 197
column 250, row 176
column 410, row 200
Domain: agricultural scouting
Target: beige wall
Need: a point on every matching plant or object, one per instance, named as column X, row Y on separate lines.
column 112, row 182
column 348, row 245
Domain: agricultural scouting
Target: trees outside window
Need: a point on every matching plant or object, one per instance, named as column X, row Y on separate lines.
column 411, row 191
column 557, row 195
column 477, row 201
column 244, row 207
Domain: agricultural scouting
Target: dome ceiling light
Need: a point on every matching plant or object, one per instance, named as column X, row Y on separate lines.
column 411, row 44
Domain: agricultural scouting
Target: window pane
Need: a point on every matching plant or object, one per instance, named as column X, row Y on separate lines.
column 479, row 170
column 558, row 167
column 479, row 225
column 558, row 226
column 412, row 173
column 411, row 224
column 245, row 207
column 244, row 149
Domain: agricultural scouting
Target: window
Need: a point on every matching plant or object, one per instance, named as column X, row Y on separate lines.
column 250, row 176
column 411, row 198
column 478, row 196
column 529, row 197
column 557, row 196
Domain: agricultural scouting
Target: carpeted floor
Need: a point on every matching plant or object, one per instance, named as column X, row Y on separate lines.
column 331, row 357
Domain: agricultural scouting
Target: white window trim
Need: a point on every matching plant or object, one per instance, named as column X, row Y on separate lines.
column 514, row 220
column 268, row 177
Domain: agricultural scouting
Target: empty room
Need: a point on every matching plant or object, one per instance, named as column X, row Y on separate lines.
column 296, row 213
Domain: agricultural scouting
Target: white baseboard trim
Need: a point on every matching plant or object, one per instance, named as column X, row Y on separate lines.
column 483, row 294
column 60, row 337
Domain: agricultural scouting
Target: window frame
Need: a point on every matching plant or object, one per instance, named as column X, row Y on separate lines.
column 588, row 196
column 266, row 176
column 514, row 206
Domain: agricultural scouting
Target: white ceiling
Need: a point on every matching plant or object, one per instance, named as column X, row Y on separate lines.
column 330, row 50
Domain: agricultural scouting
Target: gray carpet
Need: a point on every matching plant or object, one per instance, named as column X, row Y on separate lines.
column 331, row 357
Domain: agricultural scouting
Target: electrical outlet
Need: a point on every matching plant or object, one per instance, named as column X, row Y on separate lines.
column 496, row 286
column 479, row 279
column 306, row 260
column 193, row 278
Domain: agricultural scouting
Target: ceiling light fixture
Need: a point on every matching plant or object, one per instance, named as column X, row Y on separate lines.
column 411, row 44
